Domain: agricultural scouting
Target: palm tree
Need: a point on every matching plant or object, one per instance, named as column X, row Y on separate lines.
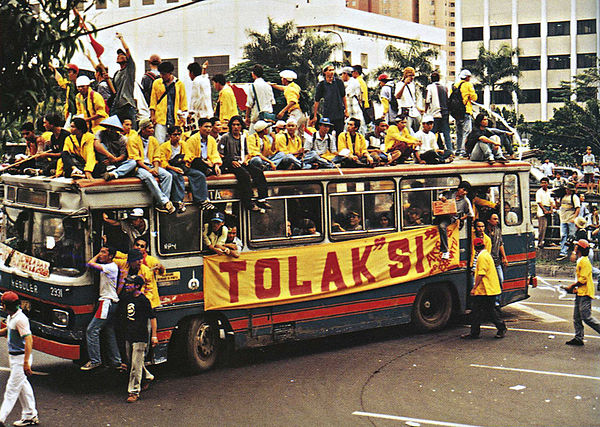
column 496, row 70
column 279, row 48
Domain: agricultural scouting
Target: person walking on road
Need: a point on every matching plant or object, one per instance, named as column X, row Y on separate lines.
column 484, row 293
column 20, row 345
column 583, row 289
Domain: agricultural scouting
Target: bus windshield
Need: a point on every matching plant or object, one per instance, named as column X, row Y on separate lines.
column 54, row 238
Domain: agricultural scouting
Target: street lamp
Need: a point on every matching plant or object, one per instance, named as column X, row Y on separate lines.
column 341, row 40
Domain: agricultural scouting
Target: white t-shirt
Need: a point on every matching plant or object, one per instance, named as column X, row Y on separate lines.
column 433, row 100
column 200, row 100
column 427, row 141
column 408, row 98
column 588, row 158
column 265, row 96
column 547, row 168
column 543, row 197
column 108, row 282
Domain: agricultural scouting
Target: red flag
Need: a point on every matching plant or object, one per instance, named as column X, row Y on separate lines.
column 240, row 97
column 98, row 48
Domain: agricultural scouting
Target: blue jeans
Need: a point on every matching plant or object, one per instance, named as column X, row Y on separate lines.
column 441, row 125
column 463, row 128
column 197, row 182
column 160, row 194
column 124, row 168
column 312, row 157
column 260, row 163
column 93, row 337
column 583, row 313
column 482, row 152
column 566, row 229
column 500, row 272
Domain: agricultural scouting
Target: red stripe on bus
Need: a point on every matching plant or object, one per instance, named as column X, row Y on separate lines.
column 77, row 309
column 172, row 299
column 66, row 351
column 519, row 283
column 521, row 257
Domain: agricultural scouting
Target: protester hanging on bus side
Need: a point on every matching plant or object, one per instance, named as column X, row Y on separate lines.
column 464, row 210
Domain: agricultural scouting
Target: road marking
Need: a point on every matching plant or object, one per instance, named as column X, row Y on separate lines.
column 537, row 331
column 547, row 318
column 551, row 304
column 5, row 369
column 409, row 419
column 531, row 371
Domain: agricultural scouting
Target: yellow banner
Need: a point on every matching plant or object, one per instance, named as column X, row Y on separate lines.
column 280, row 276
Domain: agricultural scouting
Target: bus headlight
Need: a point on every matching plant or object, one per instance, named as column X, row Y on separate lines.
column 60, row 318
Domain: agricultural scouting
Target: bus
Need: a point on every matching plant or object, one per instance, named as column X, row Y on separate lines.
column 341, row 250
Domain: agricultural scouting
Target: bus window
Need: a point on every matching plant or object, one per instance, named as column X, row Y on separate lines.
column 417, row 197
column 512, row 209
column 380, row 210
column 179, row 233
column 485, row 200
column 218, row 235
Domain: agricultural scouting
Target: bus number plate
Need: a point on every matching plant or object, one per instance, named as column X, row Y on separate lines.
column 56, row 292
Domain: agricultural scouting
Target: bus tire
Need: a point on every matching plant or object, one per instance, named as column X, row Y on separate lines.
column 432, row 308
column 202, row 346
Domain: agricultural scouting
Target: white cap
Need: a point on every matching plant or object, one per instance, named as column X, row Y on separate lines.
column 427, row 118
column 279, row 124
column 288, row 75
column 82, row 81
column 261, row 125
column 464, row 74
column 291, row 121
column 137, row 212
column 347, row 70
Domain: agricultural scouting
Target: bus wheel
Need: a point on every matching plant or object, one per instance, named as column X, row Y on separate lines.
column 202, row 344
column 432, row 308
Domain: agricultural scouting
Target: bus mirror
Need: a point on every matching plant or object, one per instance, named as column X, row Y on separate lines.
column 50, row 242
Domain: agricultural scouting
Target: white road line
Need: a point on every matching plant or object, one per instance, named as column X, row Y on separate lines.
column 5, row 369
column 409, row 419
column 552, row 279
column 547, row 318
column 550, row 304
column 536, row 331
column 531, row 371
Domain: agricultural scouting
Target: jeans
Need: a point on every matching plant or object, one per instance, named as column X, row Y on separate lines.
column 482, row 152
column 583, row 312
column 135, row 353
column 566, row 229
column 288, row 161
column 197, row 182
column 160, row 194
column 18, row 387
column 312, row 157
column 443, row 224
column 441, row 126
column 463, row 128
column 107, row 326
column 483, row 306
column 500, row 273
column 124, row 168
column 246, row 175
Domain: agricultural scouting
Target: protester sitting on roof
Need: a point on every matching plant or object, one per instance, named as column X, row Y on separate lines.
column 354, row 144
column 90, row 104
column 321, row 149
column 290, row 144
column 111, row 150
column 261, row 149
column 399, row 143
column 482, row 144
column 376, row 142
column 428, row 151
column 78, row 159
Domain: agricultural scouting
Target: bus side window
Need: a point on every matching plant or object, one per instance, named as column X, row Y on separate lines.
column 179, row 233
column 379, row 209
column 346, row 213
column 485, row 200
column 416, row 208
column 512, row 209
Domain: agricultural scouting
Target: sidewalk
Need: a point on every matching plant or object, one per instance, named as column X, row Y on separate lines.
column 547, row 266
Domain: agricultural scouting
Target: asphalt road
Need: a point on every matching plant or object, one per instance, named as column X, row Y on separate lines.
column 384, row 377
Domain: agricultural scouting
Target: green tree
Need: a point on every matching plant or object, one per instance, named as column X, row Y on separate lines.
column 496, row 70
column 279, row 48
column 28, row 42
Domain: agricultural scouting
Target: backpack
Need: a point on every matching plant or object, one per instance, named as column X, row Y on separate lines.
column 394, row 100
column 456, row 106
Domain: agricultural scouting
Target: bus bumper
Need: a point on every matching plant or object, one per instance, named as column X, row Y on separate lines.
column 55, row 348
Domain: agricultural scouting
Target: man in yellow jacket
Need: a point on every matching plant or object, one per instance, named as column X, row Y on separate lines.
column 78, row 158
column 290, row 143
column 584, row 290
column 90, row 104
column 168, row 102
column 355, row 145
column 226, row 105
column 400, row 145
column 484, row 292
column 464, row 126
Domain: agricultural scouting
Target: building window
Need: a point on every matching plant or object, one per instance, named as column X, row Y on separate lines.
column 472, row 34
column 529, row 30
column 347, row 58
column 451, row 4
column 124, row 3
column 216, row 64
column 452, row 64
column 452, row 14
column 500, row 32
column 557, row 95
column 586, row 26
column 452, row 44
column 503, row 98
column 469, row 63
column 100, row 4
column 147, row 2
column 364, row 60
column 451, row 53
column 558, row 28
column 530, row 96
column 529, row 63
column 452, row 24
column 586, row 60
column 558, row 62
column 452, row 33
column 172, row 1
column 173, row 61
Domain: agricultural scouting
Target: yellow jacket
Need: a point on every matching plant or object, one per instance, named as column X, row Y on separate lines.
column 160, row 110
column 192, row 148
column 166, row 149
column 83, row 149
column 92, row 105
column 487, row 243
column 583, row 272
column 254, row 145
column 486, row 269
column 360, row 147
column 365, row 91
column 135, row 148
column 68, row 86
column 227, row 104
column 287, row 144
column 468, row 94
column 291, row 93
column 150, row 288
column 395, row 135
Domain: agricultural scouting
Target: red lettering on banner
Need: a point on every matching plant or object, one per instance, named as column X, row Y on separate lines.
column 295, row 289
column 420, row 256
column 359, row 265
column 332, row 273
column 259, row 278
column 233, row 268
column 403, row 261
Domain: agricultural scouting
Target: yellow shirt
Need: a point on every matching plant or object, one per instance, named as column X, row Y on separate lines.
column 135, row 148
column 395, row 135
column 468, row 94
column 46, row 136
column 227, row 104
column 160, row 109
column 490, row 285
column 192, row 148
column 83, row 149
column 365, row 91
column 254, row 145
column 583, row 274
column 166, row 149
column 487, row 243
column 291, row 93
column 287, row 144
column 92, row 105
column 150, row 288
column 359, row 148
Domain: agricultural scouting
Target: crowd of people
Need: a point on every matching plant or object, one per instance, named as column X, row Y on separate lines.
column 107, row 137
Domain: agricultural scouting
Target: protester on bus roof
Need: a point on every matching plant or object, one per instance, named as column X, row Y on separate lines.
column 484, row 292
column 482, row 144
column 78, row 159
column 145, row 150
column 235, row 154
column 321, row 148
column 428, row 150
column 216, row 129
column 124, row 104
column 289, row 143
column 353, row 96
column 68, row 84
column 261, row 149
column 355, row 145
column 399, row 143
column 200, row 98
column 464, row 125
column 168, row 102
column 436, row 104
column 406, row 93
column 260, row 99
column 53, row 123
column 357, row 72
column 331, row 90
column 149, row 76
column 134, row 227
column 128, row 130
column 90, row 104
column 226, row 104
column 34, row 145
column 111, row 150
column 388, row 98
column 376, row 142
column 214, row 234
column 103, row 320
column 464, row 210
column 135, row 311
column 291, row 93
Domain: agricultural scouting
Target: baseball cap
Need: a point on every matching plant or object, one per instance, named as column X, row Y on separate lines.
column 383, row 77
column 280, row 124
column 288, row 75
column 218, row 217
column 428, row 118
column 82, row 81
column 9, row 296
column 464, row 74
column 582, row 243
column 347, row 70
column 291, row 121
column 478, row 242
column 135, row 279
column 144, row 123
column 73, row 67
column 261, row 125
column 325, row 121
column 137, row 212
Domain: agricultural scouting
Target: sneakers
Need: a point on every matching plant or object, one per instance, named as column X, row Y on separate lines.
column 168, row 208
column 77, row 173
column 470, row 337
column 27, row 422
column 205, row 205
column 181, row 207
column 90, row 365
column 109, row 175
column 446, row 255
column 500, row 334
column 575, row 341
column 132, row 398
